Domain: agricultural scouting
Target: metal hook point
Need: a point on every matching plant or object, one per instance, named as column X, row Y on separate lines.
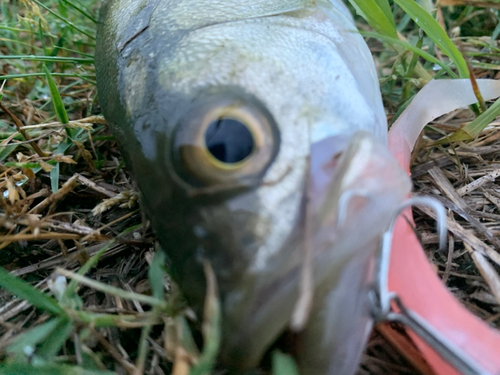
column 432, row 203
column 385, row 254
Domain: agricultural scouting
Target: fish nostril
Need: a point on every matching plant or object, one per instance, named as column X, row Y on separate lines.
column 229, row 140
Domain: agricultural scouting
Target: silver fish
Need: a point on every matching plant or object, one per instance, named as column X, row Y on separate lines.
column 257, row 136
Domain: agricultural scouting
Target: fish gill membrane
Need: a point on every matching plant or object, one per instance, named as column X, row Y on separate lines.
column 316, row 185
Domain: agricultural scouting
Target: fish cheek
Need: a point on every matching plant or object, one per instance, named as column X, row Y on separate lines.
column 191, row 230
column 231, row 241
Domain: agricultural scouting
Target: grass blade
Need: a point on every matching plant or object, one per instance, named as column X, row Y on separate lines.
column 386, row 8
column 18, row 30
column 40, row 36
column 80, row 10
column 65, row 20
column 412, row 48
column 472, row 130
column 73, row 285
column 54, row 178
column 75, row 60
column 50, row 347
column 1, row 89
column 157, row 273
column 32, row 337
column 283, row 364
column 375, row 13
column 56, row 98
column 435, row 32
column 211, row 326
column 47, row 369
column 113, row 290
column 26, row 75
column 143, row 348
column 76, row 52
column 25, row 291
column 5, row 151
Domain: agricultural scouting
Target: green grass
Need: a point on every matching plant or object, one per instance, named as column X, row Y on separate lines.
column 46, row 60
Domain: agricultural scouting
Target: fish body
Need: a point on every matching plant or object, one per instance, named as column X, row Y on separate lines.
column 257, row 136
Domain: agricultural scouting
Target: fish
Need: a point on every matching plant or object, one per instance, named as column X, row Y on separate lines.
column 256, row 134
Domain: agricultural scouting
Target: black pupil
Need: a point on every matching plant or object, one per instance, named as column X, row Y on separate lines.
column 229, row 140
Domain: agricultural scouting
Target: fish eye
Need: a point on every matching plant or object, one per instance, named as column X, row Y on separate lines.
column 224, row 141
column 229, row 140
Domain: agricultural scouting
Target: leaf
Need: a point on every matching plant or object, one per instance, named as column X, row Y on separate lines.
column 157, row 273
column 435, row 32
column 47, row 369
column 283, row 364
column 25, row 291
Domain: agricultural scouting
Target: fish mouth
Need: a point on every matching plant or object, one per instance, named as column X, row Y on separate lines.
column 353, row 189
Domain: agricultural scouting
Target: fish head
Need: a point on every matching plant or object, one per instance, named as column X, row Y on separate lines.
column 249, row 140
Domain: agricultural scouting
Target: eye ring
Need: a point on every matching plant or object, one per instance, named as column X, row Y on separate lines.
column 244, row 125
